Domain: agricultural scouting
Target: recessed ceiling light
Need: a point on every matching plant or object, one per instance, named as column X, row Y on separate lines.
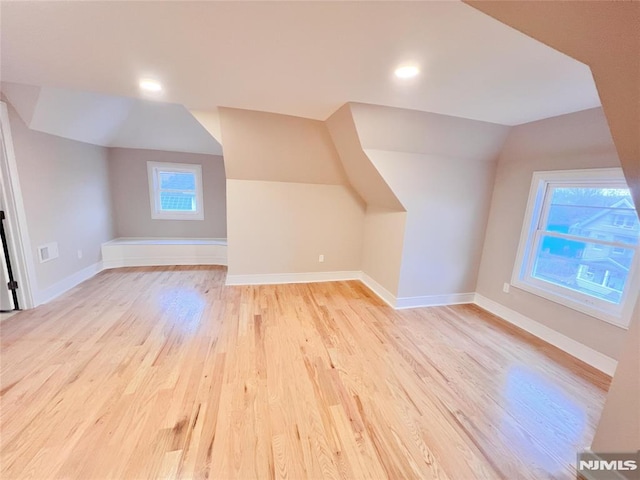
column 150, row 85
column 408, row 71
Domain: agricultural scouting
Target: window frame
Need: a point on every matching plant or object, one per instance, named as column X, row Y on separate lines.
column 153, row 173
column 535, row 216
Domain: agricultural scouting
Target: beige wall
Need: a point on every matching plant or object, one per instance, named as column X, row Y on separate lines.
column 280, row 227
column 287, row 197
column 578, row 140
column 447, row 202
column 65, row 189
column 130, row 193
column 382, row 246
column 441, row 170
column 384, row 221
column 279, row 148
column 619, row 427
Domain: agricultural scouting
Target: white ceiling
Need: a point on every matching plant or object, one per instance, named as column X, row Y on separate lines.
column 110, row 121
column 297, row 58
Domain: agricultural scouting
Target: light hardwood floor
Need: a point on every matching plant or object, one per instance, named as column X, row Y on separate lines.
column 166, row 373
column 6, row 315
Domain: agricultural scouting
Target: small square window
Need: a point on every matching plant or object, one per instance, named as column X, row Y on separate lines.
column 175, row 191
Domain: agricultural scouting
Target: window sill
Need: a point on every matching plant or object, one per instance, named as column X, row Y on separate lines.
column 177, row 216
column 618, row 320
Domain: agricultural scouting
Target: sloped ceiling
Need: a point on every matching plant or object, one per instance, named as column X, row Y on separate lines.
column 362, row 173
column 296, row 58
column 412, row 131
column 110, row 121
column 280, row 148
column 604, row 35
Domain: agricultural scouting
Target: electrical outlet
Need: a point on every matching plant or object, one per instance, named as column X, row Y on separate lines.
column 321, row 259
column 79, row 254
column 505, row 287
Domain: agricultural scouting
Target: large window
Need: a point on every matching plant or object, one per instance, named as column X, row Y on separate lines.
column 175, row 191
column 579, row 243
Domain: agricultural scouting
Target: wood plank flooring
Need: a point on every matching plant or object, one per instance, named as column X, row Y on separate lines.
column 166, row 373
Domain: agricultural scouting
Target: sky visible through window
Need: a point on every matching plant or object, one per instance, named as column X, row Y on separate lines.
column 587, row 262
column 178, row 191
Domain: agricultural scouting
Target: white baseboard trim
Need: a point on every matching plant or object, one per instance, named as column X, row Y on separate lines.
column 276, row 278
column 434, row 300
column 54, row 291
column 586, row 354
column 384, row 294
column 400, row 303
column 163, row 261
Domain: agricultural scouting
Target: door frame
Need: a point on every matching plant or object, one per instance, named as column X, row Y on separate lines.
column 16, row 218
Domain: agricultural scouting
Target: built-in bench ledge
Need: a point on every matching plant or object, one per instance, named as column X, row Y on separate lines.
column 143, row 252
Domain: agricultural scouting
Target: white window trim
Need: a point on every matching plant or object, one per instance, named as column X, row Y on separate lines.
column 156, row 213
column 618, row 315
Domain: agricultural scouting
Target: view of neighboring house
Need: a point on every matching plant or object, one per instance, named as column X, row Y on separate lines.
column 604, row 268
column 586, row 251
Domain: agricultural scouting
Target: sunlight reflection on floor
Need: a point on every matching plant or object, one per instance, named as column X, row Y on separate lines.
column 184, row 305
column 543, row 424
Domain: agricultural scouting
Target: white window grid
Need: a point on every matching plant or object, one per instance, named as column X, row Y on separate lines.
column 157, row 212
column 534, row 229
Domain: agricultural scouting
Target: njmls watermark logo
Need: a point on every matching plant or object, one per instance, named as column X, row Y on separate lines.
column 609, row 466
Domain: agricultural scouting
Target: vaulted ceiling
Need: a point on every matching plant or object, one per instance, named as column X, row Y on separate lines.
column 110, row 121
column 297, row 58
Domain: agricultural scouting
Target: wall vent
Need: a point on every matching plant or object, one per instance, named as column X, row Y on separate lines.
column 48, row 252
